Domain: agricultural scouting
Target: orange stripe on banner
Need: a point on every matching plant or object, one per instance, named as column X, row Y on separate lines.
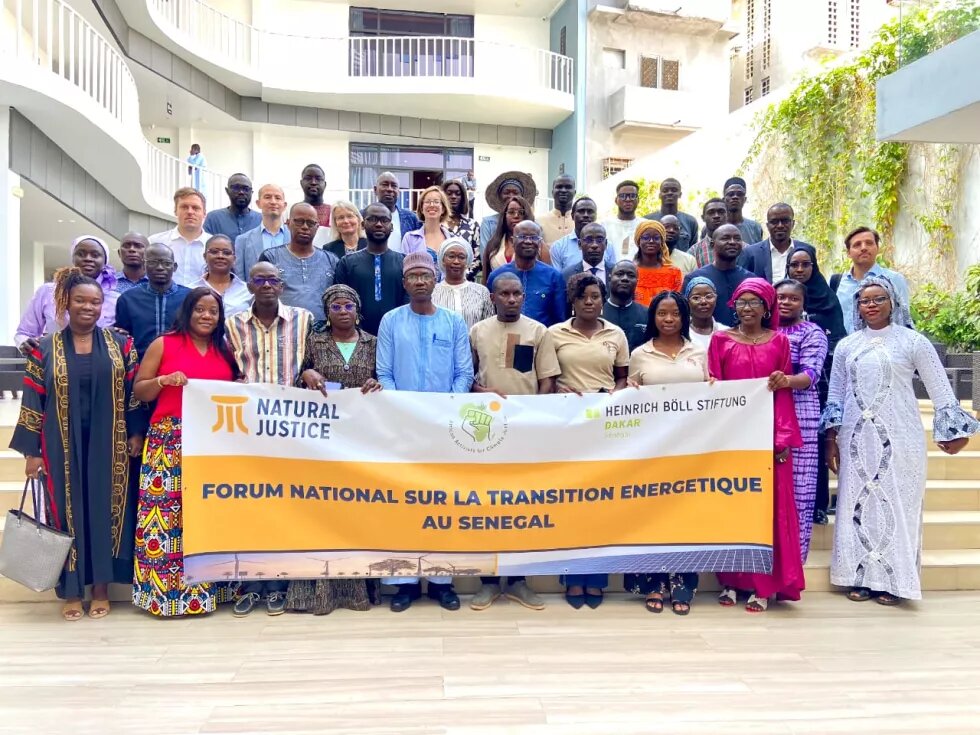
column 273, row 504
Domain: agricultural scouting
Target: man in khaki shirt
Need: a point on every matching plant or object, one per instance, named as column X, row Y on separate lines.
column 558, row 222
column 512, row 355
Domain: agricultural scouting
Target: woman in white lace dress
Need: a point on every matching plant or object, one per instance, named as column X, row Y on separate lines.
column 876, row 446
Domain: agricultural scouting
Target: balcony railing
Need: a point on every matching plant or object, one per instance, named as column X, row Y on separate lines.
column 239, row 45
column 51, row 36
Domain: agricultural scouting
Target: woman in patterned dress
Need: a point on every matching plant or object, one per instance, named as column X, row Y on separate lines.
column 337, row 351
column 469, row 300
column 461, row 223
column 196, row 348
column 807, row 350
column 876, row 446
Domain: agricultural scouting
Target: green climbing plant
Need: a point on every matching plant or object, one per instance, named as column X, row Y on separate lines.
column 823, row 135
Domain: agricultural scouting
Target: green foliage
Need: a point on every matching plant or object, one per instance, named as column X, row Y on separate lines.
column 952, row 319
column 836, row 173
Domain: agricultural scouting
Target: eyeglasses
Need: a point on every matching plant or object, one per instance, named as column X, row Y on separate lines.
column 341, row 308
column 266, row 281
column 708, row 299
column 801, row 265
column 594, row 240
column 779, row 221
column 240, row 188
column 223, row 252
column 421, row 277
column 876, row 300
column 627, row 197
column 649, row 238
column 744, row 304
column 375, row 219
column 159, row 264
column 527, row 238
column 311, row 223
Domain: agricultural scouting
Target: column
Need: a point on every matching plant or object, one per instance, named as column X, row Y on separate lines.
column 10, row 196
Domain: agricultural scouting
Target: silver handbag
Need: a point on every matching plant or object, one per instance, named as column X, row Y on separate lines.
column 32, row 553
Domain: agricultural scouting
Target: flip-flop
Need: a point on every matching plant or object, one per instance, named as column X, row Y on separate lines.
column 727, row 597
column 680, row 608
column 654, row 604
column 887, row 599
column 756, row 605
column 72, row 611
column 98, row 609
column 859, row 594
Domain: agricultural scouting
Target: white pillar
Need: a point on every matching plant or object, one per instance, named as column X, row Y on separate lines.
column 10, row 196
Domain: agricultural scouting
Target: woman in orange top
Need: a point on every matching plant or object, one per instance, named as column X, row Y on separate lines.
column 656, row 273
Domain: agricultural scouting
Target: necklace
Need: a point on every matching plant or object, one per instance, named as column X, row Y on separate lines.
column 754, row 340
column 672, row 355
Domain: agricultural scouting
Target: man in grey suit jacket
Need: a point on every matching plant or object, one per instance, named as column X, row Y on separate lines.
column 767, row 259
column 269, row 234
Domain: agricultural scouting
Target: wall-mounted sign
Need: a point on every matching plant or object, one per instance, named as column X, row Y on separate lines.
column 163, row 140
column 484, row 159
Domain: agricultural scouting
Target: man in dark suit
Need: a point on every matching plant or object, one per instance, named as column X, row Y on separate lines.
column 593, row 244
column 767, row 259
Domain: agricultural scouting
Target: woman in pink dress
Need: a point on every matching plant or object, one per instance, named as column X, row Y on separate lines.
column 756, row 349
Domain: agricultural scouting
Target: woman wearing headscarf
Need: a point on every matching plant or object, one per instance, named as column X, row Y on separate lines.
column 756, row 349
column 454, row 292
column 79, row 425
column 807, row 350
column 876, row 446
column 90, row 255
column 822, row 307
column 337, row 351
column 656, row 273
column 702, row 296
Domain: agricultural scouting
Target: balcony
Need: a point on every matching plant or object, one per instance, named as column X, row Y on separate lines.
column 637, row 109
column 692, row 17
column 460, row 79
column 56, row 69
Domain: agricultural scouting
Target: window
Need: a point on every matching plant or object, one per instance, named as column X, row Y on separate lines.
column 563, row 41
column 390, row 43
column 855, row 8
column 749, row 95
column 613, row 58
column 749, row 64
column 658, row 73
column 832, row 22
column 749, row 40
column 612, row 166
column 765, row 87
column 766, row 34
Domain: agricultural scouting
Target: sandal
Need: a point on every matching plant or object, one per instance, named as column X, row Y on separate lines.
column 859, row 594
column 655, row 604
column 98, row 609
column 680, row 608
column 756, row 605
column 727, row 597
column 887, row 599
column 72, row 611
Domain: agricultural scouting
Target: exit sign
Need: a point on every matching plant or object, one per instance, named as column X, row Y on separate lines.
column 163, row 140
column 484, row 158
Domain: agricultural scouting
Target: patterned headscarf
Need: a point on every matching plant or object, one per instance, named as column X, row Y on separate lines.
column 764, row 290
column 107, row 278
column 340, row 291
column 900, row 314
column 699, row 281
column 455, row 242
column 646, row 226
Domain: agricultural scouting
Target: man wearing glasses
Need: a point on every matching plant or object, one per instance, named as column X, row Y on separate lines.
column 376, row 271
column 767, row 259
column 422, row 347
column 593, row 244
column 146, row 311
column 724, row 272
column 306, row 271
column 237, row 218
column 544, row 288
column 567, row 251
column 268, row 340
column 620, row 229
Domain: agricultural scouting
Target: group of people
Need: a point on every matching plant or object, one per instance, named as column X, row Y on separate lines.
column 435, row 301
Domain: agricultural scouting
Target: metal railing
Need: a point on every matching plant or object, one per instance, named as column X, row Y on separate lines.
column 237, row 43
column 51, row 36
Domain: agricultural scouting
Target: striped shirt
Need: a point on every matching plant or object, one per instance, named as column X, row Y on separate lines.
column 270, row 354
column 469, row 300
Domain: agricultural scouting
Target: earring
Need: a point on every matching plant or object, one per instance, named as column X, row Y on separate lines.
column 767, row 315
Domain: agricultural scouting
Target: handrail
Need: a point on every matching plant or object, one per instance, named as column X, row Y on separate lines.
column 52, row 36
column 238, row 43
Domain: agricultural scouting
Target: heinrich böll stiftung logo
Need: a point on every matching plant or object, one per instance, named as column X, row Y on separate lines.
column 480, row 428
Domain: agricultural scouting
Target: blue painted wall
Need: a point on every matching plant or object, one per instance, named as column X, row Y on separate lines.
column 568, row 139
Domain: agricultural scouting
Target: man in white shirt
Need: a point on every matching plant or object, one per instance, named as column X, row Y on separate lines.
column 187, row 239
column 620, row 229
column 593, row 243
column 767, row 259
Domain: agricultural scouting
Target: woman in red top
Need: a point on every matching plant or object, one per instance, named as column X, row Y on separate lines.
column 655, row 271
column 195, row 349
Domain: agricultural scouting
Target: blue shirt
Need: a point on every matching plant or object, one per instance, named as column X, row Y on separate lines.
column 426, row 353
column 123, row 284
column 566, row 251
column 488, row 225
column 270, row 240
column 146, row 314
column 544, row 291
column 849, row 285
column 228, row 222
column 304, row 279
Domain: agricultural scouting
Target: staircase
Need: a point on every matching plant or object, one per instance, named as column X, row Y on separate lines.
column 951, row 529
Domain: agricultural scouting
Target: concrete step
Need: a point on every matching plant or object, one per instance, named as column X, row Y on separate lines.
column 942, row 570
column 962, row 466
column 941, row 530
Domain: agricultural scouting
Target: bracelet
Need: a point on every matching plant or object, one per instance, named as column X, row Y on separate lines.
column 159, row 381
